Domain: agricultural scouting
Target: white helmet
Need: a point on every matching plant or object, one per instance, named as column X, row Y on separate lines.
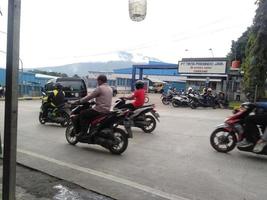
column 209, row 89
column 190, row 88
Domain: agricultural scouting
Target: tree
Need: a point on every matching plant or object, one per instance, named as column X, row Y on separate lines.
column 238, row 47
column 255, row 64
column 76, row 76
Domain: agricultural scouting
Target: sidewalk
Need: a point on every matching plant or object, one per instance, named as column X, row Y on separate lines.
column 34, row 185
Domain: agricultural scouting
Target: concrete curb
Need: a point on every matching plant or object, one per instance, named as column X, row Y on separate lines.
column 24, row 98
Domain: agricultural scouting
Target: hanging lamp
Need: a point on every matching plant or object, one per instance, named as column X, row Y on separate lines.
column 137, row 10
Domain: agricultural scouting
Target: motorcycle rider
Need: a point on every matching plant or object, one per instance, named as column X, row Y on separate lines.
column 250, row 129
column 138, row 96
column 190, row 91
column 55, row 99
column 103, row 98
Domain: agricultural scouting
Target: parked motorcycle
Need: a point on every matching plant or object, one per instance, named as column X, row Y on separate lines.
column 102, row 130
column 144, row 117
column 181, row 101
column 226, row 136
column 166, row 99
column 201, row 101
column 56, row 115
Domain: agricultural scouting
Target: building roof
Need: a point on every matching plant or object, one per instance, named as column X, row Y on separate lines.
column 45, row 76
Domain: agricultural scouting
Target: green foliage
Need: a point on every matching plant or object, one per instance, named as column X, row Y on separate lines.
column 238, row 47
column 251, row 50
column 36, row 71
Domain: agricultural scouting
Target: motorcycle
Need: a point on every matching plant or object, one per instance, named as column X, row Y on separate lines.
column 140, row 117
column 56, row 115
column 146, row 98
column 166, row 99
column 200, row 101
column 226, row 136
column 102, row 130
column 180, row 101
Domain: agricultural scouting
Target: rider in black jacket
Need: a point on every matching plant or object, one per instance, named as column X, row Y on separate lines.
column 55, row 99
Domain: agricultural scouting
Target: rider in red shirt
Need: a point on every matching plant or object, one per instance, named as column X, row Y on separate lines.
column 138, row 96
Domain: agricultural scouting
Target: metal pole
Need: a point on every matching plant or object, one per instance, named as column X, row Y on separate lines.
column 11, row 101
column 133, row 77
column 256, row 93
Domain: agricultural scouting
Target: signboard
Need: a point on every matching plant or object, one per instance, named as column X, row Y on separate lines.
column 202, row 67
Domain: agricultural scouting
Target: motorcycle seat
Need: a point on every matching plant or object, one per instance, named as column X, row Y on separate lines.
column 145, row 106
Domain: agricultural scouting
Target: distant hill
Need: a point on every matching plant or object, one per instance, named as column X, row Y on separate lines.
column 105, row 63
column 82, row 69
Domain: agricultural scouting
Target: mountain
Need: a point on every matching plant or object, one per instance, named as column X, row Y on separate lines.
column 105, row 62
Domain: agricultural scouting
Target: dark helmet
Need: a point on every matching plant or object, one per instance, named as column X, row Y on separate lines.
column 58, row 86
column 139, row 84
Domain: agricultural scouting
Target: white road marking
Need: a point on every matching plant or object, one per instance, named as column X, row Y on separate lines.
column 107, row 176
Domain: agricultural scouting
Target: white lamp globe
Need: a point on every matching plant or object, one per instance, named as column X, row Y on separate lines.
column 137, row 10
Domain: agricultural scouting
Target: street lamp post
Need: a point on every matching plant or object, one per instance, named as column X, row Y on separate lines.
column 11, row 101
column 211, row 50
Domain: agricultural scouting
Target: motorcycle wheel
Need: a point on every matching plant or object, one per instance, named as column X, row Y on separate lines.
column 223, row 140
column 175, row 104
column 121, row 139
column 41, row 119
column 66, row 121
column 146, row 99
column 152, row 125
column 165, row 101
column 192, row 105
column 70, row 135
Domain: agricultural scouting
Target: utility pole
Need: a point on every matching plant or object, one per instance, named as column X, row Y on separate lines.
column 11, row 101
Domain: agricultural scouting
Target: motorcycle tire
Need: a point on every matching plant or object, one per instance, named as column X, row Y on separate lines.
column 165, row 101
column 229, row 139
column 41, row 119
column 149, row 129
column 66, row 121
column 193, row 106
column 122, row 140
column 175, row 104
column 70, row 135
column 146, row 99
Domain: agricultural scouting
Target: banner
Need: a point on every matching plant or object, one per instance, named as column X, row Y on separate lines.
column 202, row 67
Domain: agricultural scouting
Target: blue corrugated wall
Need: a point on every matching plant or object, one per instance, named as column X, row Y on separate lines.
column 29, row 85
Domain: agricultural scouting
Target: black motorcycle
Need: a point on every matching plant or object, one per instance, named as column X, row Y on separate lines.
column 56, row 115
column 202, row 101
column 167, row 99
column 102, row 130
column 143, row 117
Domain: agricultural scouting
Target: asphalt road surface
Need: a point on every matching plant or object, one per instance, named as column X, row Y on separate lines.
column 175, row 162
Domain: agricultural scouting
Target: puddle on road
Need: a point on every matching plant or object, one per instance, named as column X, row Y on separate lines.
column 64, row 193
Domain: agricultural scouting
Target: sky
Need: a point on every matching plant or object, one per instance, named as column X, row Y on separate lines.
column 56, row 32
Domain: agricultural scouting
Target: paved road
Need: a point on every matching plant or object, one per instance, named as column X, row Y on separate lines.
column 176, row 162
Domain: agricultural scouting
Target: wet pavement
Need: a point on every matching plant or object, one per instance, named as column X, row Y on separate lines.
column 34, row 185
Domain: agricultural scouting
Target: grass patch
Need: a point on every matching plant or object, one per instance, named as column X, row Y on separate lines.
column 234, row 104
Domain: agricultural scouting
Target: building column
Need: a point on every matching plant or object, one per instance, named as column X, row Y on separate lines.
column 133, row 77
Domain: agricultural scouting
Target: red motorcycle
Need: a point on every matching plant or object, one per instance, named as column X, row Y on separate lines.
column 226, row 136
